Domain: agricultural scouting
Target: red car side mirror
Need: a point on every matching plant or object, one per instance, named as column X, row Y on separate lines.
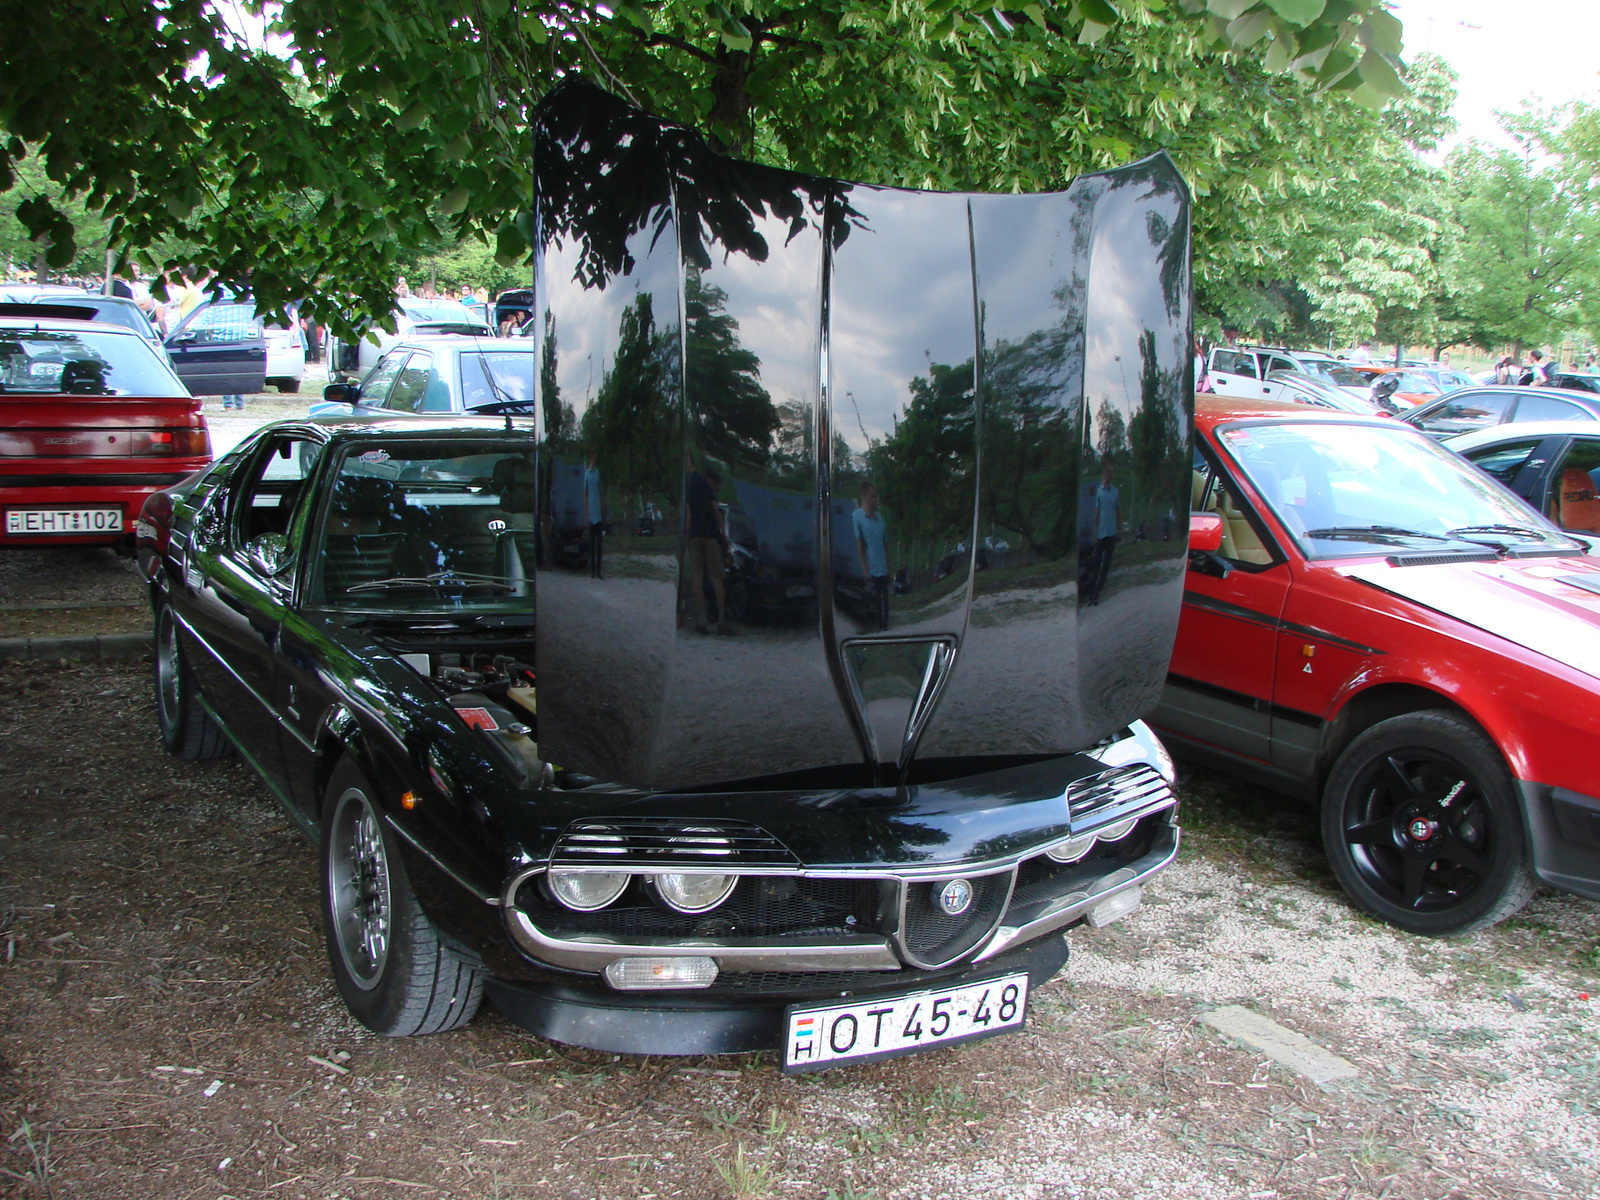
column 1205, row 532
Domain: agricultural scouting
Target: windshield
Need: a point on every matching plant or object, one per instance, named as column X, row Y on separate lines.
column 451, row 311
column 497, row 377
column 429, row 527
column 83, row 363
column 1337, row 373
column 1347, row 490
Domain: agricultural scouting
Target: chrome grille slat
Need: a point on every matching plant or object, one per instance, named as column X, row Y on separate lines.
column 1120, row 787
column 662, row 839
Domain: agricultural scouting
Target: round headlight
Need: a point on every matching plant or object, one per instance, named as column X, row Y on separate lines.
column 585, row 891
column 1071, row 851
column 1115, row 833
column 694, row 893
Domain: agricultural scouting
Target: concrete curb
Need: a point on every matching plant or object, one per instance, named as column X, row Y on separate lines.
column 104, row 645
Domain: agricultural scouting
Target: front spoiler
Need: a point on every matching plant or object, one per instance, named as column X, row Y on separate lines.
column 681, row 1023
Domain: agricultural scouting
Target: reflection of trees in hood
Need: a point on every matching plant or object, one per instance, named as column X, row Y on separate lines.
column 633, row 424
column 734, row 418
column 559, row 423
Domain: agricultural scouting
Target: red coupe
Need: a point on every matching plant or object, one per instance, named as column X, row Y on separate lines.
column 92, row 421
column 1389, row 632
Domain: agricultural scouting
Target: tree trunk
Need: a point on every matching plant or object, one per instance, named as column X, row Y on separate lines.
column 731, row 130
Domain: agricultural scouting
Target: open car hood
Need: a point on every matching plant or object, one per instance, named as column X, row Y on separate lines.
column 978, row 359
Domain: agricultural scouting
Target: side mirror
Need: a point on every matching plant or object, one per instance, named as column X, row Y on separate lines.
column 180, row 339
column 342, row 393
column 1205, row 532
column 271, row 554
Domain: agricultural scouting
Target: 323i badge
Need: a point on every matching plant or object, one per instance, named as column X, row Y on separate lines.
column 886, row 1028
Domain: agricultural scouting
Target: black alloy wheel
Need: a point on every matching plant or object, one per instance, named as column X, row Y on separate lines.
column 187, row 730
column 1422, row 826
column 398, row 974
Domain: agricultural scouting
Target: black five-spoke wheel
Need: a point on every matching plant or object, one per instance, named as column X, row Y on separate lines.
column 1422, row 825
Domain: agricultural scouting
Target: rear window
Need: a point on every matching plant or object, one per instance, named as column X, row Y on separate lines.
column 496, row 377
column 50, row 362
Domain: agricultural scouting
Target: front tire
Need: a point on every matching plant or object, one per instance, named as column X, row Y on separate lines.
column 398, row 974
column 1422, row 826
column 187, row 730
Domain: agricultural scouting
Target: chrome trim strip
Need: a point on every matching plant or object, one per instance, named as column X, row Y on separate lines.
column 409, row 838
column 1074, row 904
column 753, row 954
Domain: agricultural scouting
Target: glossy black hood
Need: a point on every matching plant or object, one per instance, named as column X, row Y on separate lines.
column 1010, row 373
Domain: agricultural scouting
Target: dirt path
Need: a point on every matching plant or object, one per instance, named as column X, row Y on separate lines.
column 166, row 1002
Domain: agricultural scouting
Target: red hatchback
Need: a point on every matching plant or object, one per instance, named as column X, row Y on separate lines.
column 1390, row 633
column 92, row 421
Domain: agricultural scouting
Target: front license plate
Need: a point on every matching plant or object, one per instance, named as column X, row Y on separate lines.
column 63, row 520
column 825, row 1036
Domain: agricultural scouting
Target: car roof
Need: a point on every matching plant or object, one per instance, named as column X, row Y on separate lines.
column 1578, row 396
column 66, row 325
column 1518, row 430
column 347, row 427
column 1212, row 410
column 462, row 341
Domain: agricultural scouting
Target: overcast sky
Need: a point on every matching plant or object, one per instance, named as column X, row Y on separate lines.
column 1542, row 50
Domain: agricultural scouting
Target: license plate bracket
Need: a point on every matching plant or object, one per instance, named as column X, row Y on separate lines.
column 817, row 1036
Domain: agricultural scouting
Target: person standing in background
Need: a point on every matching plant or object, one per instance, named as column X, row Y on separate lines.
column 708, row 541
column 872, row 549
column 1107, row 525
column 592, row 513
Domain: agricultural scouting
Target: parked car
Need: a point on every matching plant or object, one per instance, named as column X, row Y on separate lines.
column 1246, row 371
column 286, row 353
column 414, row 318
column 815, row 839
column 220, row 349
column 1553, row 465
column 92, row 422
column 113, row 310
column 1467, row 409
column 443, row 374
column 1576, row 381
column 1387, row 633
column 1296, row 387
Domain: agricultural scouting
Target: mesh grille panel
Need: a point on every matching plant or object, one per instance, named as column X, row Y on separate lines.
column 930, row 935
column 760, row 906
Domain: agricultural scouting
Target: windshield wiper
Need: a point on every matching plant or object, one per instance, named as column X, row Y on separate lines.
column 1372, row 533
column 440, row 579
column 1522, row 530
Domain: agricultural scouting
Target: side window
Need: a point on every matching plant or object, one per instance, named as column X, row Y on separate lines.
column 1534, row 407
column 1573, row 500
column 1477, row 411
column 1234, row 362
column 413, row 384
column 1277, row 363
column 376, row 386
column 1242, row 543
column 1504, row 462
column 272, row 487
column 224, row 324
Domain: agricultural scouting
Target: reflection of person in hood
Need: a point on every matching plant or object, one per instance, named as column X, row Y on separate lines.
column 872, row 548
column 593, row 519
column 1107, row 521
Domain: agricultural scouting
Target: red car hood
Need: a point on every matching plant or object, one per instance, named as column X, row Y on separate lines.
column 1548, row 605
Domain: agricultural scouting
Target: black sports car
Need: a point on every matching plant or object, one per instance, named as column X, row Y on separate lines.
column 528, row 774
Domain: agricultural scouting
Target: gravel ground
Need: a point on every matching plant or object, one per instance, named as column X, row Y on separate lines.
column 169, row 1029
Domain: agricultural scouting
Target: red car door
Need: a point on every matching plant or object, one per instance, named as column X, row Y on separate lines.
column 1220, row 689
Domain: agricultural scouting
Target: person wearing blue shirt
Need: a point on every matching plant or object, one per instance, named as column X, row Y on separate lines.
column 872, row 549
column 1107, row 524
column 592, row 513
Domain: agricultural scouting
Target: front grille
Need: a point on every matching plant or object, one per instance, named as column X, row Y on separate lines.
column 760, row 906
column 1119, row 787
column 668, row 842
column 932, row 937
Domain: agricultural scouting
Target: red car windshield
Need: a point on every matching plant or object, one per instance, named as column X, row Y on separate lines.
column 52, row 362
column 1349, row 490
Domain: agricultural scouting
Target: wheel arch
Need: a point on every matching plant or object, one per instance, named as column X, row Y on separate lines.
column 341, row 736
column 1381, row 701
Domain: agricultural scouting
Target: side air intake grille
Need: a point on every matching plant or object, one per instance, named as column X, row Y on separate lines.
column 1132, row 786
column 667, row 841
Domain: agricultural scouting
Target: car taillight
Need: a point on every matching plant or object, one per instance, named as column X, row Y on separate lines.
column 179, row 443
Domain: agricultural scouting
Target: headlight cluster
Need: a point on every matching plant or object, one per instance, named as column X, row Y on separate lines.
column 1071, row 850
column 682, row 891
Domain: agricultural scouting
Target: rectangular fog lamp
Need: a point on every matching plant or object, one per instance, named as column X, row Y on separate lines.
column 1115, row 908
column 643, row 974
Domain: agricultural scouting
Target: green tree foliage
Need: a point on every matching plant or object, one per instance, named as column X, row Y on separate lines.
column 1524, row 270
column 372, row 132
